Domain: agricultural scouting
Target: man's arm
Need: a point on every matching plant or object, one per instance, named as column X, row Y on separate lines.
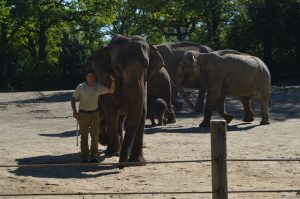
column 73, row 104
column 112, row 88
column 103, row 89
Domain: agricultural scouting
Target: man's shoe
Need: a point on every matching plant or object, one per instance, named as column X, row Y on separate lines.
column 94, row 160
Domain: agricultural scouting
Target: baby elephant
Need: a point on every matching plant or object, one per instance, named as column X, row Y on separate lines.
column 157, row 107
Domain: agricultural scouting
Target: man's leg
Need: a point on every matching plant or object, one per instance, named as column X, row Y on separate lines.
column 94, row 130
column 84, row 123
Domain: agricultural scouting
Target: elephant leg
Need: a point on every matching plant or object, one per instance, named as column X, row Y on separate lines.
column 200, row 101
column 136, row 154
column 103, row 132
column 171, row 117
column 160, row 117
column 152, row 119
column 248, row 111
column 121, row 124
column 114, row 145
column 265, row 110
column 170, row 111
column 178, row 105
column 211, row 100
column 133, row 129
column 220, row 106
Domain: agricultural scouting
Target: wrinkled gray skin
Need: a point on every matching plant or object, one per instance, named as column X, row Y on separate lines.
column 231, row 74
column 187, row 73
column 160, row 86
column 172, row 55
column 132, row 60
column 157, row 107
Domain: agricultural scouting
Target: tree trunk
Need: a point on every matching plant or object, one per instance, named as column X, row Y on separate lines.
column 31, row 47
column 42, row 54
column 3, row 56
column 268, row 34
column 180, row 35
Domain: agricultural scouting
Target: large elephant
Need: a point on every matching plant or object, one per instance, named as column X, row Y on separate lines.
column 233, row 74
column 172, row 55
column 160, row 86
column 132, row 60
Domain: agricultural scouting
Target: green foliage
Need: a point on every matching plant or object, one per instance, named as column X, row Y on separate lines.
column 46, row 44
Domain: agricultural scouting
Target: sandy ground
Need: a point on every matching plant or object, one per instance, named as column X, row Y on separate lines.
column 35, row 128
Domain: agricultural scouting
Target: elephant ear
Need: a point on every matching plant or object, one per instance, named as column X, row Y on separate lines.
column 101, row 64
column 101, row 60
column 156, row 62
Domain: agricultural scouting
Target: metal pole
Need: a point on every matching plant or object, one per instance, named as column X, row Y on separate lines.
column 77, row 132
column 218, row 130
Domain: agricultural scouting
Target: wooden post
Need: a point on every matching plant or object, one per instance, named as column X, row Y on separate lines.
column 218, row 130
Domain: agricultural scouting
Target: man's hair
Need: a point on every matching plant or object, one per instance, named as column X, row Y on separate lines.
column 90, row 71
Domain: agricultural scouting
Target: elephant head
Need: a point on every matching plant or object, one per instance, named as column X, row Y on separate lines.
column 133, row 61
column 188, row 71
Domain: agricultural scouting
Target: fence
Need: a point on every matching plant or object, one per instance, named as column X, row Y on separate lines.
column 218, row 169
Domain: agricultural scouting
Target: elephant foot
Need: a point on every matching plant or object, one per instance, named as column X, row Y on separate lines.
column 136, row 161
column 110, row 153
column 265, row 123
column 228, row 118
column 171, row 118
column 171, row 121
column 248, row 119
column 204, row 124
column 160, row 124
column 140, row 160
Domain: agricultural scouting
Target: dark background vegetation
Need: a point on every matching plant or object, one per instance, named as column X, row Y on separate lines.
column 45, row 44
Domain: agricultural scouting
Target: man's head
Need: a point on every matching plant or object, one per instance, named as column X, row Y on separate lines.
column 90, row 77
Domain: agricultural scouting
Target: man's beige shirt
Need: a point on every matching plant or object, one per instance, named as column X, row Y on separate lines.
column 88, row 95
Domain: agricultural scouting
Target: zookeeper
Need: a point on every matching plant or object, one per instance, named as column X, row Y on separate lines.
column 87, row 94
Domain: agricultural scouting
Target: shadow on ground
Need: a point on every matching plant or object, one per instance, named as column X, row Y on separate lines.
column 181, row 129
column 39, row 97
column 62, row 172
column 65, row 134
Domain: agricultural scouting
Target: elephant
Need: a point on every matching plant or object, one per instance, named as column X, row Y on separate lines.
column 132, row 60
column 187, row 73
column 172, row 55
column 157, row 107
column 230, row 74
column 160, row 86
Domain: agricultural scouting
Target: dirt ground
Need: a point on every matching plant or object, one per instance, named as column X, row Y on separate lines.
column 36, row 128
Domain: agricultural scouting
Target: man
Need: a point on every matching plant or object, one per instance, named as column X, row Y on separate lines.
column 87, row 94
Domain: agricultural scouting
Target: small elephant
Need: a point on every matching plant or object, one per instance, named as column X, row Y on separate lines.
column 160, row 86
column 233, row 74
column 157, row 107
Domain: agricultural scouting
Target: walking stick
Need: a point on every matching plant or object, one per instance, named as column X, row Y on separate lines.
column 77, row 132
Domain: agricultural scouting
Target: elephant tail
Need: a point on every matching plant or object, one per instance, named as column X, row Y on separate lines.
column 270, row 102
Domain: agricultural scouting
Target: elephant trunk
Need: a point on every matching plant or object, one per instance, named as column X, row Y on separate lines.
column 134, row 93
column 180, row 89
